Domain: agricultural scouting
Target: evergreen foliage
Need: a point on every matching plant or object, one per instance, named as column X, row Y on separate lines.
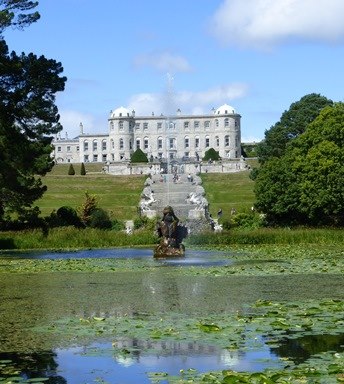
column 139, row 156
column 211, row 154
column 82, row 170
column 71, row 170
column 28, row 117
column 303, row 186
column 68, row 216
column 291, row 124
column 99, row 218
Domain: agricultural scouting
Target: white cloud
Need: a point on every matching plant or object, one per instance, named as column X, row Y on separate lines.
column 188, row 102
column 265, row 23
column 71, row 120
column 163, row 62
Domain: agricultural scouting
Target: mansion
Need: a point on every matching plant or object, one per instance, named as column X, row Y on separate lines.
column 174, row 138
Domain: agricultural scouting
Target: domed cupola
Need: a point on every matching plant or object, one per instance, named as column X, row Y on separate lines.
column 120, row 112
column 225, row 109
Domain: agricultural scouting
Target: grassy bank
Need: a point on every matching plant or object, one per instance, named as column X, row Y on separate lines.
column 118, row 195
column 74, row 238
column 227, row 191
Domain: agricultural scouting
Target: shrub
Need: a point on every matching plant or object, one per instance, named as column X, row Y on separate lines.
column 248, row 220
column 139, row 157
column 82, row 170
column 211, row 154
column 67, row 216
column 99, row 218
column 71, row 170
column 117, row 225
column 140, row 222
column 87, row 208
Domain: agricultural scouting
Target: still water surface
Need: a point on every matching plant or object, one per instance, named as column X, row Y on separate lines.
column 28, row 300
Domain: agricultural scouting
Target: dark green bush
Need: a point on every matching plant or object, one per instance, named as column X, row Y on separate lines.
column 211, row 154
column 82, row 170
column 139, row 157
column 66, row 216
column 71, row 170
column 99, row 218
column 140, row 222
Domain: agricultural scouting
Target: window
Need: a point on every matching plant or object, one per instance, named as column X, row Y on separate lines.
column 186, row 124
column 77, row 148
column 104, row 158
column 145, row 143
column 95, row 145
column 172, row 143
column 130, row 144
column 159, row 142
column 121, row 156
column 121, row 143
column 217, row 141
column 207, row 124
column 196, row 124
column 227, row 141
column 186, row 142
column 68, row 148
column 86, row 159
column 216, row 122
column 95, row 158
column 112, row 143
column 137, row 126
column 138, row 144
column 113, row 157
column 59, row 149
column 145, row 126
column 85, row 145
column 159, row 125
column 236, row 124
column 236, row 142
column 197, row 142
column 104, row 145
column 120, row 125
column 111, row 126
column 207, row 141
column 226, row 122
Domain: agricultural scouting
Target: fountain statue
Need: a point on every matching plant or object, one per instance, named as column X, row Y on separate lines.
column 171, row 235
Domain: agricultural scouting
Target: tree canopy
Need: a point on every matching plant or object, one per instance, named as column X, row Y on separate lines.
column 28, row 119
column 292, row 123
column 303, row 186
column 139, row 157
column 16, row 13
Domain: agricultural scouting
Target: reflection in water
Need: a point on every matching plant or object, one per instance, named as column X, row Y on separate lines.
column 302, row 348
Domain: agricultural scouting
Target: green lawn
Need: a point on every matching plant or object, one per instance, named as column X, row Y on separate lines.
column 117, row 194
column 227, row 191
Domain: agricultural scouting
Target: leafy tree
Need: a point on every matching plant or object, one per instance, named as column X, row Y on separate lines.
column 14, row 13
column 291, row 124
column 211, row 154
column 99, row 218
column 139, row 157
column 71, row 170
column 82, row 170
column 28, row 120
column 87, row 208
column 304, row 185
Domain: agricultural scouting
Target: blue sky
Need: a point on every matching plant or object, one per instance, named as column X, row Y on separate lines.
column 259, row 56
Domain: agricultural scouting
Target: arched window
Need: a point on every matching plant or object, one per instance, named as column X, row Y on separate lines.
column 85, row 145
column 95, row 145
column 196, row 142
column 227, row 141
column 121, row 143
column 226, row 122
column 159, row 143
column 120, row 125
column 207, row 141
column 104, row 145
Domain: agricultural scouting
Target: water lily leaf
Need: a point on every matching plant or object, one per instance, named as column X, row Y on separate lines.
column 209, row 327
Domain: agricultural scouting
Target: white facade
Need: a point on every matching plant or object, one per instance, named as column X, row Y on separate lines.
column 160, row 137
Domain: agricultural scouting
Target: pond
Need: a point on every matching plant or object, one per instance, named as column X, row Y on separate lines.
column 122, row 325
